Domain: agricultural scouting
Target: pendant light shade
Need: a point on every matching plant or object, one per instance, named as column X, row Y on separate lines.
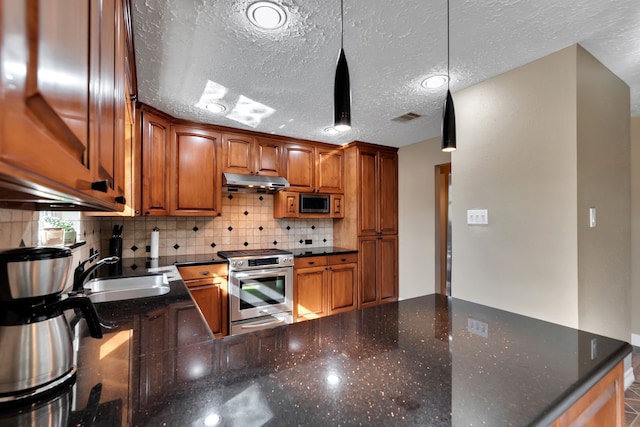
column 448, row 111
column 342, row 96
column 448, row 125
column 342, row 87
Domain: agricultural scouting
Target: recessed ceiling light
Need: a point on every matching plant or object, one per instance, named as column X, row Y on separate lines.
column 215, row 108
column 434, row 82
column 266, row 15
column 330, row 130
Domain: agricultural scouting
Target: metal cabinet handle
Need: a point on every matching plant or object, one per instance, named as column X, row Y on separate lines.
column 343, row 260
column 311, row 262
column 204, row 273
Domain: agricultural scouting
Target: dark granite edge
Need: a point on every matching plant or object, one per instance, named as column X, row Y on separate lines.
column 206, row 262
column 319, row 251
column 575, row 392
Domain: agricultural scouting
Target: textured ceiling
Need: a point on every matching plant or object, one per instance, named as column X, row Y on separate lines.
column 391, row 46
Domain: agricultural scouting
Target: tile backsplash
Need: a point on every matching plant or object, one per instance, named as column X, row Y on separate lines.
column 246, row 223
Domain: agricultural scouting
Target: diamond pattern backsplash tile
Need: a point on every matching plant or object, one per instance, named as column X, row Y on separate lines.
column 246, row 218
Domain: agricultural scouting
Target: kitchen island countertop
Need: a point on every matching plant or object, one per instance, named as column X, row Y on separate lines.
column 429, row 360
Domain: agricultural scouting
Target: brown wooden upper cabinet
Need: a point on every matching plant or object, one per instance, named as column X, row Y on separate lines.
column 313, row 168
column 194, row 177
column 63, row 138
column 154, row 140
column 248, row 155
column 378, row 192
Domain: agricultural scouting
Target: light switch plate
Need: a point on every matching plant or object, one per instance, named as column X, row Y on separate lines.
column 477, row 217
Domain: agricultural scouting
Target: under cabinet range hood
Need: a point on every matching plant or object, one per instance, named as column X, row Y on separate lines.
column 244, row 183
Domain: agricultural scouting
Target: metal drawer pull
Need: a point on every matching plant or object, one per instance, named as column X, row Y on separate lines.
column 311, row 262
column 260, row 325
column 204, row 273
column 343, row 260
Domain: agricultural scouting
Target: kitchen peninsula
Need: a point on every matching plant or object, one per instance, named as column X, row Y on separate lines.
column 422, row 361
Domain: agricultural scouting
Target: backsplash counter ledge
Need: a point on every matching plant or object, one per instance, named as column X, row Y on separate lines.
column 246, row 222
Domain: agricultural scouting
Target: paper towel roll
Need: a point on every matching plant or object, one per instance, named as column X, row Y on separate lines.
column 155, row 243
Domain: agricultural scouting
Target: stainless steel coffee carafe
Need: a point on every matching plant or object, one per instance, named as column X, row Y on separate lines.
column 35, row 337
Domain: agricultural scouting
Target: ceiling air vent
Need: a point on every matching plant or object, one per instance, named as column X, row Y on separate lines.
column 406, row 117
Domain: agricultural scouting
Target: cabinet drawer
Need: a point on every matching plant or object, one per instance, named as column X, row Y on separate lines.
column 198, row 283
column 314, row 261
column 342, row 259
column 209, row 271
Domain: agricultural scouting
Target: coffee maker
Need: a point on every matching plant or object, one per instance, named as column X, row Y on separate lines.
column 35, row 336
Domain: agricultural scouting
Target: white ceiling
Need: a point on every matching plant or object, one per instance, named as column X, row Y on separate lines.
column 391, row 46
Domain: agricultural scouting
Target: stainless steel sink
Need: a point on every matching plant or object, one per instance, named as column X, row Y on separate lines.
column 125, row 288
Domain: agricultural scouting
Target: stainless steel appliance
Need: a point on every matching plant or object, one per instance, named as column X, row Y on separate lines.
column 315, row 203
column 243, row 183
column 260, row 289
column 35, row 336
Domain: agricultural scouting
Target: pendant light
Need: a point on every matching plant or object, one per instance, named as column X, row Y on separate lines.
column 342, row 88
column 449, row 113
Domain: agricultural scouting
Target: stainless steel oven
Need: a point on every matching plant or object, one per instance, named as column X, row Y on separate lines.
column 260, row 289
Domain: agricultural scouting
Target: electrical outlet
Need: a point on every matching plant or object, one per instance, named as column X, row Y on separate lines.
column 477, row 327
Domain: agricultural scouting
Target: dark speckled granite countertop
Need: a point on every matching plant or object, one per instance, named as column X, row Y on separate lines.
column 138, row 265
column 427, row 361
column 328, row 250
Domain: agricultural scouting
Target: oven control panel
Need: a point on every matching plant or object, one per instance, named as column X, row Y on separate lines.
column 250, row 263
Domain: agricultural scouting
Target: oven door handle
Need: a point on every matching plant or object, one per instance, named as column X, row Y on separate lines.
column 259, row 274
column 262, row 325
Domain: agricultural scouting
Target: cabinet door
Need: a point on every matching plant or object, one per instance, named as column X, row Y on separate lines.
column 329, row 170
column 368, row 272
column 299, row 167
column 343, row 286
column 237, row 153
column 45, row 137
column 195, row 187
column 388, row 208
column 155, row 165
column 368, row 202
column 268, row 157
column 103, row 96
column 309, row 293
column 210, row 299
column 337, row 210
column 388, row 263
column 285, row 204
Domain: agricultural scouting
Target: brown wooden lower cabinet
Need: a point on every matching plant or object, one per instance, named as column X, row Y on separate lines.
column 208, row 287
column 324, row 285
column 378, row 269
column 602, row 405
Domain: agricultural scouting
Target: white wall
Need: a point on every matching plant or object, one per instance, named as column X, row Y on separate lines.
column 416, row 202
column 537, row 146
column 635, row 225
column 604, row 252
column 516, row 158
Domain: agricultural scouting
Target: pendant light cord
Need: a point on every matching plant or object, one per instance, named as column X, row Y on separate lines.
column 448, row 49
column 342, row 24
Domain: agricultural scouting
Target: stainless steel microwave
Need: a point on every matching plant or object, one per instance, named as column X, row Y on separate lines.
column 315, row 203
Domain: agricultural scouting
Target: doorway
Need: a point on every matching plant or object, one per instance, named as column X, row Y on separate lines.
column 443, row 228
